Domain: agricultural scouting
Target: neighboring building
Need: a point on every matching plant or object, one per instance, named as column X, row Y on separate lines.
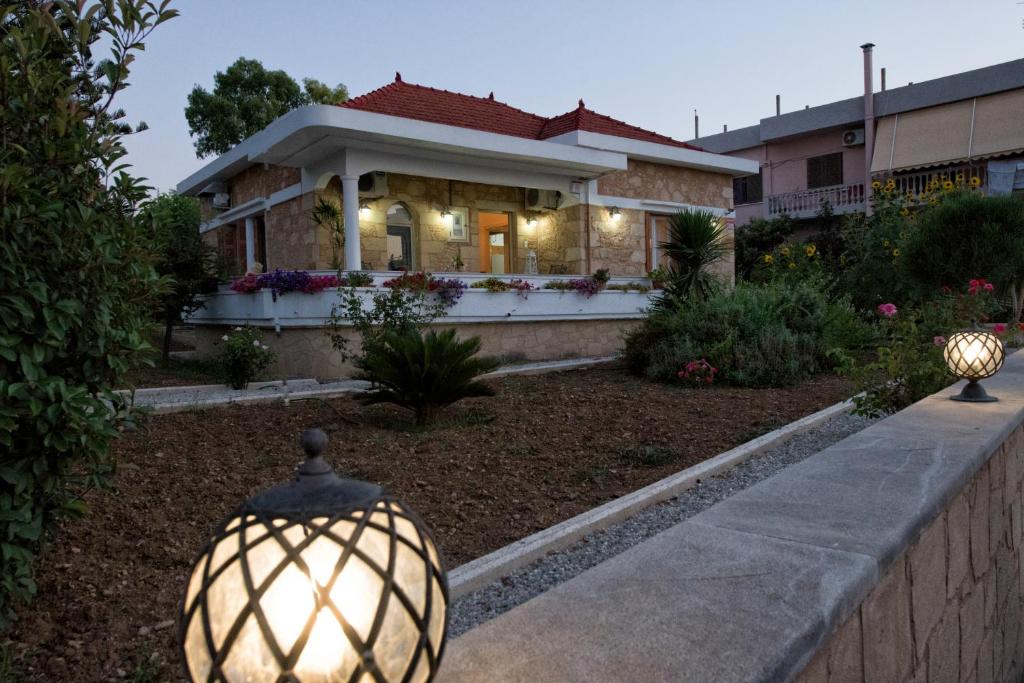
column 970, row 123
column 427, row 179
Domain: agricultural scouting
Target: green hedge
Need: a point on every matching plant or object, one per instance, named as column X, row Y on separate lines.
column 757, row 335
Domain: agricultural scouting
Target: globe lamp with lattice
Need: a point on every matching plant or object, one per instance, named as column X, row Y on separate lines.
column 319, row 579
column 973, row 356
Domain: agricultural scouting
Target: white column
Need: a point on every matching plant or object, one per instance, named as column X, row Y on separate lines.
column 350, row 202
column 250, row 245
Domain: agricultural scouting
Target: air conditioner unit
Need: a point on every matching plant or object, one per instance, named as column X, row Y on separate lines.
column 853, row 137
column 222, row 200
column 373, row 184
column 538, row 200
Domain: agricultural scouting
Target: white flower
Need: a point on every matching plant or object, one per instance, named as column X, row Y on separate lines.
column 265, row 347
column 238, row 329
column 256, row 342
column 225, row 337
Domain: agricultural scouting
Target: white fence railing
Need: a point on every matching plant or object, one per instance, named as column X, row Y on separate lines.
column 917, row 182
column 806, row 203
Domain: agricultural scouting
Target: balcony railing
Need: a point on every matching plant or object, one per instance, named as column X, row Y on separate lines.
column 807, row 203
column 915, row 183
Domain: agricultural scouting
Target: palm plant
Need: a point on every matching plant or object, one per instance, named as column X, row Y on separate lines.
column 696, row 239
column 328, row 215
column 424, row 372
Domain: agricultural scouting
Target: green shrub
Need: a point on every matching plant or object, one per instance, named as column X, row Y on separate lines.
column 968, row 235
column 909, row 364
column 757, row 238
column 756, row 335
column 244, row 356
column 424, row 372
column 77, row 281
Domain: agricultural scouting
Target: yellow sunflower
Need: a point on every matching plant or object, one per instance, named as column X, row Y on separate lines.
column 876, row 185
column 769, row 259
column 975, row 181
column 947, row 185
column 810, row 250
column 904, row 211
column 896, row 253
column 784, row 251
column 792, row 265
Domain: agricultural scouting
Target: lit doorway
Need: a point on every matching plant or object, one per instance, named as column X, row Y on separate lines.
column 496, row 242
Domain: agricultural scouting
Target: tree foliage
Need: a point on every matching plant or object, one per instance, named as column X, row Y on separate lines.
column 184, row 259
column 77, row 284
column 246, row 98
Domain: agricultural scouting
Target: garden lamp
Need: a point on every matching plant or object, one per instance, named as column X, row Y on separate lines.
column 973, row 356
column 319, row 579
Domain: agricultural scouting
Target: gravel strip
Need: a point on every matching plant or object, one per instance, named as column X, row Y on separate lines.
column 485, row 604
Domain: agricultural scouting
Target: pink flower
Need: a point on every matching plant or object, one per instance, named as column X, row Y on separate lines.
column 999, row 328
column 988, row 287
column 888, row 310
column 939, row 340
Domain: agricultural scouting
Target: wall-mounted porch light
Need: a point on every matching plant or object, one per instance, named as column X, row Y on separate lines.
column 446, row 215
column 364, row 209
column 319, row 579
column 614, row 213
column 973, row 356
column 531, row 222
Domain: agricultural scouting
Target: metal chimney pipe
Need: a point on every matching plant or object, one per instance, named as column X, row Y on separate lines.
column 778, row 104
column 869, row 124
column 725, row 127
column 883, row 79
column 696, row 125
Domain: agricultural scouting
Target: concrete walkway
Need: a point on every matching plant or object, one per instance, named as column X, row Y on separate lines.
column 175, row 399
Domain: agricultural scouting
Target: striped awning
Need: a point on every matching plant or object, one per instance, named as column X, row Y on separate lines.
column 951, row 133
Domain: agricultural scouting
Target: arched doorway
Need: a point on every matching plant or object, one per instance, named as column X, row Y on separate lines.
column 399, row 237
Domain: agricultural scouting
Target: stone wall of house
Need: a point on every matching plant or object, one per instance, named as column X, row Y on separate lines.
column 951, row 608
column 257, row 181
column 307, row 352
column 618, row 245
column 648, row 180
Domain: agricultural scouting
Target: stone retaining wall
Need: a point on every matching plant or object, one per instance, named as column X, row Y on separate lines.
column 307, row 352
column 893, row 556
column 950, row 608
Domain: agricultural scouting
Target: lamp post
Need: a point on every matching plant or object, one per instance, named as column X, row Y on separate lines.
column 974, row 355
column 319, row 579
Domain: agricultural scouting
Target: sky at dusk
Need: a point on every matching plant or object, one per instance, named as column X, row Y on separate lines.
column 648, row 62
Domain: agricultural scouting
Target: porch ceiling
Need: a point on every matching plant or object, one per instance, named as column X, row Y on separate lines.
column 313, row 134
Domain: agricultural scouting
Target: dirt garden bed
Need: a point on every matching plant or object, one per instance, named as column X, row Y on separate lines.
column 547, row 447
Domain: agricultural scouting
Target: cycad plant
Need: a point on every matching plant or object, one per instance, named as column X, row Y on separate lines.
column 425, row 372
column 696, row 239
column 329, row 216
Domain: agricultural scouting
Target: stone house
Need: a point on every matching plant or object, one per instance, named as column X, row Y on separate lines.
column 428, row 179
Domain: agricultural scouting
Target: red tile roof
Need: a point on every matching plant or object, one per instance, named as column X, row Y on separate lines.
column 487, row 114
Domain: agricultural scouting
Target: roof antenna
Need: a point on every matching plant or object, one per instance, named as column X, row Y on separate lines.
column 398, row 77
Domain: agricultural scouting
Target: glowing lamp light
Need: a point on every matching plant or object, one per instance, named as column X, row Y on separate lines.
column 973, row 356
column 531, row 222
column 446, row 215
column 318, row 579
column 614, row 213
column 364, row 209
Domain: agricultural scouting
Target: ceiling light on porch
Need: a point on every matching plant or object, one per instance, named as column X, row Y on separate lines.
column 446, row 215
column 973, row 356
column 318, row 579
column 364, row 209
column 614, row 213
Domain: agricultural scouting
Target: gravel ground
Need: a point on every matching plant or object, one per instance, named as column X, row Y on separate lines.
column 485, row 604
